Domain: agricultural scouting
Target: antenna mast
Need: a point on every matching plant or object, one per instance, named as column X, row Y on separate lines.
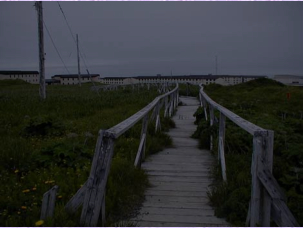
column 42, row 91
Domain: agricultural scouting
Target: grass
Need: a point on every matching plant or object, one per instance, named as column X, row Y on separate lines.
column 51, row 142
column 263, row 102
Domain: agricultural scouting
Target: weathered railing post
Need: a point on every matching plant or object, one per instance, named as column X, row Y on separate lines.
column 171, row 105
column 141, row 150
column 158, row 123
column 175, row 100
column 166, row 107
column 48, row 203
column 94, row 197
column 260, row 205
column 221, row 142
column 212, row 117
column 204, row 107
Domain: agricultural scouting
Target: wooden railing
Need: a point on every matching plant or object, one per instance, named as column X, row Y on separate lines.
column 267, row 199
column 92, row 193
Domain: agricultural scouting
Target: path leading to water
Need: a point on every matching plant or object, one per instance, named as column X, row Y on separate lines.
column 179, row 178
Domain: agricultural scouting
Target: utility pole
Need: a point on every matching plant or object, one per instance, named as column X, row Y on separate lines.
column 42, row 91
column 79, row 78
column 216, row 65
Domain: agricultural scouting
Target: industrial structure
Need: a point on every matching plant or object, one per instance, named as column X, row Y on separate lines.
column 195, row 79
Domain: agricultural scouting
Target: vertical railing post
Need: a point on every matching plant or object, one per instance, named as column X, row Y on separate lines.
column 158, row 123
column 256, row 185
column 211, row 114
column 200, row 99
column 170, row 112
column 221, row 154
column 267, row 161
column 96, row 183
column 177, row 96
column 166, row 106
column 204, row 102
column 48, row 203
column 144, row 131
column 260, row 205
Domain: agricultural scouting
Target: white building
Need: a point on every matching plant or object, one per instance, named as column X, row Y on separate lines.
column 195, row 79
column 28, row 76
column 72, row 79
column 289, row 79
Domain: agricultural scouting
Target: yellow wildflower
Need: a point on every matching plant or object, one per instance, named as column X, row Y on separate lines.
column 16, row 171
column 39, row 223
column 26, row 190
column 23, row 207
column 34, row 189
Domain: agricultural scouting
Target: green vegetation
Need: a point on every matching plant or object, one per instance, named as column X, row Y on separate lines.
column 51, row 142
column 263, row 102
column 193, row 90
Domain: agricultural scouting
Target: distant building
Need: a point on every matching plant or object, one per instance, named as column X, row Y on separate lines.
column 72, row 79
column 292, row 80
column 195, row 79
column 52, row 82
column 28, row 76
column 119, row 80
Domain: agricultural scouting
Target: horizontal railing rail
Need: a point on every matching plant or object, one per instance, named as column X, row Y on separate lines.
column 267, row 199
column 92, row 193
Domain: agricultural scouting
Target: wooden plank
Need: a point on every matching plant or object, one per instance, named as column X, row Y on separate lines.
column 176, row 205
column 96, row 183
column 179, row 199
column 178, row 179
column 282, row 215
column 179, row 187
column 77, row 200
column 177, row 211
column 48, row 203
column 167, row 161
column 144, row 131
column 140, row 152
column 173, row 224
column 267, row 162
column 221, row 146
column 255, row 201
column 183, row 219
column 153, row 192
column 176, row 168
column 158, row 123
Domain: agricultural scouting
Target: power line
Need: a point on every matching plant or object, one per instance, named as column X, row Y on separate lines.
column 70, row 30
column 55, row 46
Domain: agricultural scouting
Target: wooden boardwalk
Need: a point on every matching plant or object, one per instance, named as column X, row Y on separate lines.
column 179, row 178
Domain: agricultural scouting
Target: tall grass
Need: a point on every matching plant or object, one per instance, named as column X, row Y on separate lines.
column 51, row 142
column 263, row 102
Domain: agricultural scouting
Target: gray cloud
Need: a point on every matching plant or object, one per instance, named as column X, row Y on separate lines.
column 132, row 38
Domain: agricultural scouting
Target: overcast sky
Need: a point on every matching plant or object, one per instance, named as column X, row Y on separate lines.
column 149, row 38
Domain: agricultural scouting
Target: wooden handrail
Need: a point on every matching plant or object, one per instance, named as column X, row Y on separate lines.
column 267, row 199
column 92, row 193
